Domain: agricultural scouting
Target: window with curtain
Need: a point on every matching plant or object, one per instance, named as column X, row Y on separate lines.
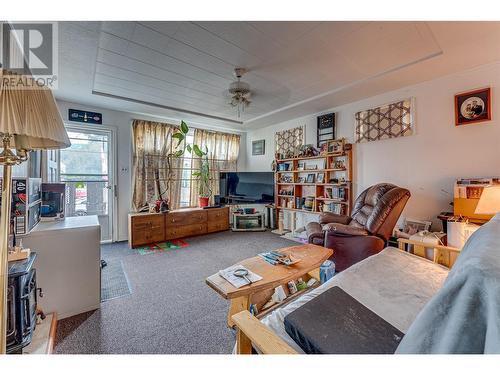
column 152, row 143
column 223, row 150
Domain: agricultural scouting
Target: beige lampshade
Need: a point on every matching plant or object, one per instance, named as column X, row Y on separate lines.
column 489, row 203
column 29, row 113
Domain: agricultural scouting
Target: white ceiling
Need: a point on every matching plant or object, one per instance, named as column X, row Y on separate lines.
column 183, row 69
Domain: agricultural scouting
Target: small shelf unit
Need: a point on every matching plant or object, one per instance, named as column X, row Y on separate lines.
column 331, row 192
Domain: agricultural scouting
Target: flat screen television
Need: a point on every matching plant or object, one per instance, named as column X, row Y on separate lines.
column 247, row 187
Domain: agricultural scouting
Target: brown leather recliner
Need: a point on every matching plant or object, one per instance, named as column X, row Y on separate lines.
column 364, row 233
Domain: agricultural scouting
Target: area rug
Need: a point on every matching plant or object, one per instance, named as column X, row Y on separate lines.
column 114, row 281
column 161, row 247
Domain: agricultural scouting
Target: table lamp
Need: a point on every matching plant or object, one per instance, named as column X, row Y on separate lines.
column 29, row 120
column 489, row 203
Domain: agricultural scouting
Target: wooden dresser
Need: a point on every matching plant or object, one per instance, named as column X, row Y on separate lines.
column 147, row 228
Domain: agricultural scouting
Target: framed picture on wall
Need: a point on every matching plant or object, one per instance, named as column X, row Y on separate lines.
column 326, row 128
column 473, row 106
column 259, row 147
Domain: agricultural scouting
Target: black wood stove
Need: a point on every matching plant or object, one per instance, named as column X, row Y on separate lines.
column 21, row 304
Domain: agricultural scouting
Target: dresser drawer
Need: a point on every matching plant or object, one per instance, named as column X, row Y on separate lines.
column 180, row 231
column 186, row 218
column 217, row 226
column 147, row 229
column 147, row 221
column 215, row 214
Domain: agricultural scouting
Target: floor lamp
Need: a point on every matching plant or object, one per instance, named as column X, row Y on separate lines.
column 29, row 120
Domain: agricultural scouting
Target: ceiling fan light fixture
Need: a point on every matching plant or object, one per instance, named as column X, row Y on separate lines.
column 240, row 92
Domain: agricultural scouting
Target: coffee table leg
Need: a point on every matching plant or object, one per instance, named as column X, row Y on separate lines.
column 237, row 304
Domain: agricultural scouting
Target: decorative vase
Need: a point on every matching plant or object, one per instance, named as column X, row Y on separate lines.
column 203, row 201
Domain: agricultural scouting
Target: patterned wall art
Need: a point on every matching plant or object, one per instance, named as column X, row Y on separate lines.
column 288, row 141
column 388, row 121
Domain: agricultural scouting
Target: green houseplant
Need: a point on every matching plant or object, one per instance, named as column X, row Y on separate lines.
column 203, row 172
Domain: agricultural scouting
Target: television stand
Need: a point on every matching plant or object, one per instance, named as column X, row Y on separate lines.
column 248, row 222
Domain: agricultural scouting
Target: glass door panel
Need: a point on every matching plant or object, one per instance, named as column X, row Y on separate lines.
column 85, row 168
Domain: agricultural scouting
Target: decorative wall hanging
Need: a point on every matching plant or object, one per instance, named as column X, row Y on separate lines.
column 473, row 106
column 259, row 147
column 326, row 128
column 288, row 142
column 384, row 122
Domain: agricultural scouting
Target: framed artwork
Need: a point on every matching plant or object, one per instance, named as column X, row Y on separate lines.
column 259, row 147
column 326, row 128
column 336, row 146
column 287, row 141
column 387, row 121
column 310, row 178
column 320, row 178
column 473, row 106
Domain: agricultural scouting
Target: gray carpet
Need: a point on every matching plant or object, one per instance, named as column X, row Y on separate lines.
column 171, row 309
column 114, row 282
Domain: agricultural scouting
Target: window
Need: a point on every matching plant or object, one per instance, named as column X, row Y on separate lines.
column 154, row 169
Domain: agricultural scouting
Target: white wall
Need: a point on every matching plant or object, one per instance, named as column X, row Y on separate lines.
column 426, row 163
column 122, row 123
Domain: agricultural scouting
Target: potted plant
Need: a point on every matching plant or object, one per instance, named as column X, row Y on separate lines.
column 203, row 173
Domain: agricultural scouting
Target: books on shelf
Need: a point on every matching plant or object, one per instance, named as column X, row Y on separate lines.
column 335, row 193
column 335, row 208
column 472, row 188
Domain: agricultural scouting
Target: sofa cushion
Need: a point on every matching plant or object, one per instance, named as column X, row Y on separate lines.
column 336, row 323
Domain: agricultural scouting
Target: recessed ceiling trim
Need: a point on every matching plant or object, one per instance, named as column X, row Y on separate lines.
column 94, row 92
column 349, row 85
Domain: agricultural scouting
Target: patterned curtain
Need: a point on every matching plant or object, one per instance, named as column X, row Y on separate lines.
column 289, row 140
column 223, row 150
column 152, row 142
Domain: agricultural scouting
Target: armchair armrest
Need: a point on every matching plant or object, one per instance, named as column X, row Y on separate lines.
column 346, row 230
column 330, row 217
column 315, row 233
column 252, row 331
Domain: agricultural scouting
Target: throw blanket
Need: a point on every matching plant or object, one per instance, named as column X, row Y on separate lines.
column 464, row 316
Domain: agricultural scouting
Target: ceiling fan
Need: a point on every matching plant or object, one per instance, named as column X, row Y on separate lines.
column 240, row 92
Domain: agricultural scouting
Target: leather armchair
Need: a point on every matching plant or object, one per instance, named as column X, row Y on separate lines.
column 364, row 233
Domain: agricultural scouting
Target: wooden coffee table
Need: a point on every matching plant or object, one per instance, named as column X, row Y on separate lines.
column 260, row 292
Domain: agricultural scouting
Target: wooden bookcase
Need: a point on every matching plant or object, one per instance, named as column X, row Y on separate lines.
column 333, row 193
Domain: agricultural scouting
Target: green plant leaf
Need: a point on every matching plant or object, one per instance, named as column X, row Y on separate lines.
column 178, row 136
column 197, row 151
column 197, row 174
column 178, row 153
column 184, row 127
column 189, row 148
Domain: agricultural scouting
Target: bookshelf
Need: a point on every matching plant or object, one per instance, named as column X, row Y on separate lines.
column 315, row 184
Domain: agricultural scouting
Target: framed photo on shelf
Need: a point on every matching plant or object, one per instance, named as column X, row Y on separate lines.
column 336, row 146
column 473, row 106
column 310, row 178
column 320, row 178
column 301, row 166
